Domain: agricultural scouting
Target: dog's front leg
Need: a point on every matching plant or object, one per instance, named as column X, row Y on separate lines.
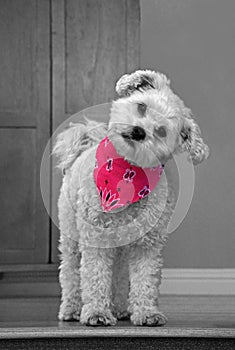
column 96, row 285
column 145, row 276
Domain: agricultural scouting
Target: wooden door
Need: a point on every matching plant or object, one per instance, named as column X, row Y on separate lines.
column 57, row 57
column 93, row 44
column 24, row 129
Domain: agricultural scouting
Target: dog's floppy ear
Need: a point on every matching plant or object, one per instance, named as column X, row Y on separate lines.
column 192, row 141
column 140, row 80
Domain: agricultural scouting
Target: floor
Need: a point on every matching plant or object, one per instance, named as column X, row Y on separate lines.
column 188, row 316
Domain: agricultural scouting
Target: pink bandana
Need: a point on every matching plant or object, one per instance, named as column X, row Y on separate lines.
column 118, row 182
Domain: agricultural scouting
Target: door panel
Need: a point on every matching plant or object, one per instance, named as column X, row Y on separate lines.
column 17, row 169
column 18, row 21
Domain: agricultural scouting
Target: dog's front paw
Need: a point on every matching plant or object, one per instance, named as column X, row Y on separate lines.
column 101, row 320
column 149, row 319
column 69, row 313
column 92, row 317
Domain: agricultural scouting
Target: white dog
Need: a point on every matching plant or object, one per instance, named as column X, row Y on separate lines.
column 112, row 237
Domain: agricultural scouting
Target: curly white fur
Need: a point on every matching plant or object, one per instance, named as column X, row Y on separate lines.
column 101, row 278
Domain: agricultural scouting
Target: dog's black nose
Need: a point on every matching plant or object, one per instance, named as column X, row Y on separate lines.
column 138, row 133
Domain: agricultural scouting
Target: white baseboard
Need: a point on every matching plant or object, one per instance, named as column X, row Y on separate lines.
column 198, row 281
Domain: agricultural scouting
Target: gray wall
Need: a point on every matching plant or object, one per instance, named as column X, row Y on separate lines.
column 193, row 42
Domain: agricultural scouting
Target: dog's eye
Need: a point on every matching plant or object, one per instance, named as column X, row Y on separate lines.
column 142, row 108
column 161, row 131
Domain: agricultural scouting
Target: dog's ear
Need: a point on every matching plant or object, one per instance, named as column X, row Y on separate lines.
column 140, row 80
column 191, row 140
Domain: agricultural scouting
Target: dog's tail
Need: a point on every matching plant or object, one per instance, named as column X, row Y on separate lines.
column 76, row 139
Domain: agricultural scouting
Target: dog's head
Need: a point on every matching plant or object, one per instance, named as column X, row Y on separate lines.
column 149, row 123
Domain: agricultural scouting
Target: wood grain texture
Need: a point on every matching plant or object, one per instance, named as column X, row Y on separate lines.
column 58, row 103
column 58, row 62
column 24, row 127
column 95, row 49
column 47, row 329
column 124, row 330
column 17, row 60
column 42, row 109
